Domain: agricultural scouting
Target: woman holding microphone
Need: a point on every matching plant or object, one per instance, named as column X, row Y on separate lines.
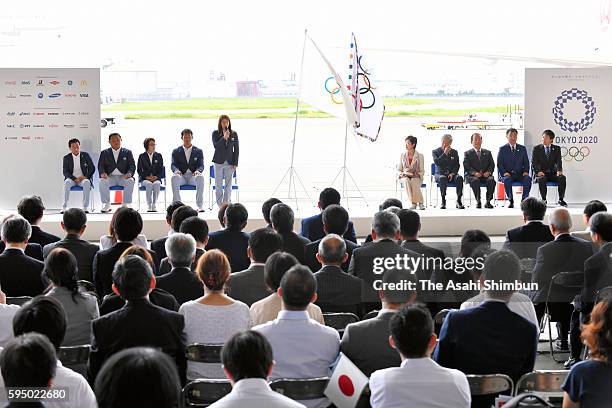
column 225, row 159
column 412, row 170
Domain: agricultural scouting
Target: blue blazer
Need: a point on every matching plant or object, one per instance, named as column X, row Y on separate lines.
column 179, row 161
column 514, row 163
column 225, row 151
column 312, row 228
column 145, row 169
column 125, row 163
column 87, row 166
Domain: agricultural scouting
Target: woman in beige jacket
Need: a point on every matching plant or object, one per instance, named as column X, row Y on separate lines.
column 412, row 171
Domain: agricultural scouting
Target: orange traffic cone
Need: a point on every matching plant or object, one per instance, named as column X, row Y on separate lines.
column 118, row 199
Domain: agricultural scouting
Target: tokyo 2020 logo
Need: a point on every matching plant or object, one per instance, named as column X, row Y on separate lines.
column 587, row 117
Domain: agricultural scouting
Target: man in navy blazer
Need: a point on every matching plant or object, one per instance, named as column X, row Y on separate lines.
column 116, row 167
column 151, row 172
column 513, row 165
column 446, row 160
column 312, row 227
column 188, row 166
column 78, row 169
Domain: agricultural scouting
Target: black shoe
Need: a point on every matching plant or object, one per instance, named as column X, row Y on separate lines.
column 488, row 205
column 570, row 362
column 478, row 204
column 443, row 206
column 562, row 203
column 561, row 346
column 511, row 205
column 460, row 205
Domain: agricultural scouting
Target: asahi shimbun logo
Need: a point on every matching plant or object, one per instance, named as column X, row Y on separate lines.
column 587, row 117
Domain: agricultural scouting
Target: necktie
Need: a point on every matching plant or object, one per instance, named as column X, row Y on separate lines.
column 547, row 151
column 478, row 154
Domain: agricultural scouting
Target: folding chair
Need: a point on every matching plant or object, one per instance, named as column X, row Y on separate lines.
column 483, row 184
column 204, row 392
column 514, row 184
column 527, row 265
column 556, row 189
column 541, row 381
column 74, row 355
column 434, row 182
column 603, row 294
column 161, row 188
column 489, row 384
column 370, row 315
column 213, row 187
column 204, row 353
column 300, row 389
column 18, row 300
column 92, row 197
column 339, row 321
column 399, row 185
column 88, row 287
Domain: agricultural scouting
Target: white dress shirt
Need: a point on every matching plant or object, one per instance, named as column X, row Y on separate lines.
column 419, row 382
column 188, row 153
column 116, row 172
column 255, row 393
column 7, row 312
column 76, row 160
column 302, row 347
column 519, row 303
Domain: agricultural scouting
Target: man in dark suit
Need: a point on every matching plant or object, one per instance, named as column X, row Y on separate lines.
column 31, row 208
column 231, row 240
column 490, row 338
column 140, row 323
column 32, row 250
column 158, row 297
column 127, row 225
column 188, row 166
column 410, row 225
column 312, row 227
column 337, row 291
column 282, row 218
column 525, row 240
column 198, row 229
column 20, row 275
column 446, row 160
column 116, row 167
column 74, row 223
column 547, row 166
column 266, row 207
column 366, row 343
column 78, row 169
column 179, row 215
column 181, row 281
column 513, row 165
column 335, row 221
column 564, row 254
column 159, row 245
column 478, row 167
column 151, row 171
column 598, row 268
column 249, row 285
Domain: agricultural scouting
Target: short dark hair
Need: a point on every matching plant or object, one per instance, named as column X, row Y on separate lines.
column 132, row 277
column 138, row 377
column 170, row 210
column 264, row 242
column 74, row 220
column 398, row 277
column 221, row 213
column 511, row 130
column 411, row 328
column 412, row 140
column 474, row 134
column 147, row 141
column 328, row 196
column 236, row 217
column 73, row 140
column 28, row 361
column 501, row 266
column 196, row 227
column 549, row 133
column 181, row 214
column 127, row 224
column 15, row 229
column 298, row 285
column 44, row 315
column 31, row 208
column 592, row 207
column 267, row 206
column 390, row 202
column 282, row 218
column 335, row 219
column 113, row 134
column 533, row 208
column 186, row 131
column 247, row 354
column 277, row 264
column 473, row 239
column 601, row 223
column 409, row 222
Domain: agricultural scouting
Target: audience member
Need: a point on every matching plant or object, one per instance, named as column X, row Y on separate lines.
column 410, row 225
column 231, row 240
column 419, row 381
column 107, row 241
column 74, row 222
column 80, row 307
column 249, row 286
column 592, row 208
column 31, row 208
column 247, row 363
column 282, row 221
column 214, row 317
column 20, row 275
column 597, row 268
column 266, row 207
column 388, row 203
column 159, row 245
column 312, row 227
column 302, row 347
column 32, row 250
column 267, row 308
column 525, row 240
column 7, row 312
column 221, row 214
column 181, row 281
column 196, row 227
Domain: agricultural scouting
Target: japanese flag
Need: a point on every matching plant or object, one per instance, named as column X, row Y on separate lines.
column 346, row 384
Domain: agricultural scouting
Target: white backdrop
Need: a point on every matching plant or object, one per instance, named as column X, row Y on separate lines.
column 41, row 109
column 576, row 103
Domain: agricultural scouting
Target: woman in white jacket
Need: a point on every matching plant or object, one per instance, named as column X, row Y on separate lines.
column 412, row 171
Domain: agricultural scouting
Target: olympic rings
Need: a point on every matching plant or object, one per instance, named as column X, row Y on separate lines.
column 575, row 153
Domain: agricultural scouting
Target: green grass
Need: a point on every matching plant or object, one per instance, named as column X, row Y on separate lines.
column 411, row 101
column 447, row 112
column 246, row 115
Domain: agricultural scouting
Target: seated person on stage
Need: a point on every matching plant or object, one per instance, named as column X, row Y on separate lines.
column 188, row 166
column 282, row 217
column 597, row 268
column 337, row 291
column 267, row 308
column 588, row 383
column 107, row 241
column 78, row 169
column 419, row 381
column 312, row 227
column 294, row 334
column 547, row 166
column 178, row 216
column 446, row 160
column 525, row 240
column 412, row 170
column 265, row 210
column 198, row 229
column 247, row 363
column 31, row 208
column 20, row 275
column 366, row 343
column 159, row 245
column 116, row 167
column 478, row 167
column 592, row 208
column 513, row 166
column 151, row 172
column 232, row 240
column 249, row 285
